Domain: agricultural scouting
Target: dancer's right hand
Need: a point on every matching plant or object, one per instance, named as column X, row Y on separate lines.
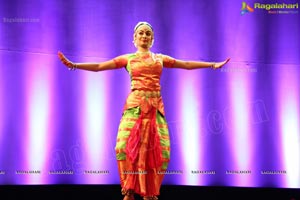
column 64, row 60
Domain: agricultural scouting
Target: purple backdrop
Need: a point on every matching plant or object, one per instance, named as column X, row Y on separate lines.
column 238, row 126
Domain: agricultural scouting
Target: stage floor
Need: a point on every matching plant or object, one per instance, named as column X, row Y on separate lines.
column 112, row 192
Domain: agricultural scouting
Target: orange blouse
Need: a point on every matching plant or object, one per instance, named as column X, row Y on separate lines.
column 145, row 72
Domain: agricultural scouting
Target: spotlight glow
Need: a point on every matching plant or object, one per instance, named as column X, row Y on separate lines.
column 240, row 141
column 191, row 126
column 39, row 127
column 289, row 123
column 93, row 122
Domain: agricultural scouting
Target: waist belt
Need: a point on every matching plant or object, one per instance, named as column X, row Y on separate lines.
column 148, row 94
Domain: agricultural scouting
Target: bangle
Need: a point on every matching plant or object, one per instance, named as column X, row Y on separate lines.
column 213, row 66
column 73, row 67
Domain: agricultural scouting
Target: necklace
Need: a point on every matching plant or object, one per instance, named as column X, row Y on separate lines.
column 147, row 58
column 142, row 54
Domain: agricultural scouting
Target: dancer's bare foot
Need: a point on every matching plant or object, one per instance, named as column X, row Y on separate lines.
column 129, row 194
column 128, row 197
column 150, row 198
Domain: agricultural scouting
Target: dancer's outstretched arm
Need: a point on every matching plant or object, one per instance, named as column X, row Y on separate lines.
column 199, row 64
column 106, row 65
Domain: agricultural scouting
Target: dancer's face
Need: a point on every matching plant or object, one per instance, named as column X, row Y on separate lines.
column 143, row 37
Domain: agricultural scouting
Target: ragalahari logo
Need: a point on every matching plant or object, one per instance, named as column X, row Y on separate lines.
column 246, row 8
